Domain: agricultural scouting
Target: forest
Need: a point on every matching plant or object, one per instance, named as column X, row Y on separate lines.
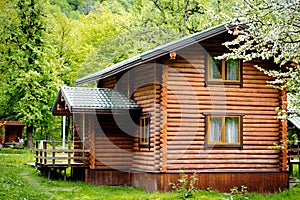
column 45, row 44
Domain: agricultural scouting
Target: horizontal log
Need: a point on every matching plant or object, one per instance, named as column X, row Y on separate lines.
column 252, row 85
column 260, row 134
column 197, row 63
column 186, row 78
column 182, row 103
column 253, row 147
column 186, row 120
column 266, row 142
column 260, row 121
column 144, row 162
column 113, row 141
column 197, row 109
column 186, row 124
column 146, row 103
column 259, row 117
column 186, row 70
column 183, row 129
column 225, row 161
column 120, row 162
column 177, row 85
column 109, row 139
column 111, row 150
column 266, row 125
column 186, row 89
column 225, row 97
column 249, row 76
column 255, row 81
column 261, row 129
column 147, row 97
column 184, row 144
column 255, row 138
column 143, row 167
column 114, row 164
column 221, row 156
column 229, row 152
column 221, row 166
column 199, row 136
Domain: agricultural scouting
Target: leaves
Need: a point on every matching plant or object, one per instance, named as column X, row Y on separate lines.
column 271, row 31
column 30, row 82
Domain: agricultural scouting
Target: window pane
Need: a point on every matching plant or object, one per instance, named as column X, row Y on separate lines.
column 144, row 130
column 232, row 69
column 215, row 68
column 215, row 129
column 231, row 129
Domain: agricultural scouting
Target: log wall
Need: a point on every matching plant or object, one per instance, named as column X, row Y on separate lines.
column 187, row 98
column 146, row 89
column 113, row 146
column 143, row 85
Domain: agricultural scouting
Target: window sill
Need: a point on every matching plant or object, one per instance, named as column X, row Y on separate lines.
column 223, row 83
column 223, row 146
column 144, row 147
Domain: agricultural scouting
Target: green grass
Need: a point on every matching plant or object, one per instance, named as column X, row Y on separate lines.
column 19, row 181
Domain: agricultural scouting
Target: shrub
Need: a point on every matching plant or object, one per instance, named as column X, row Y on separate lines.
column 185, row 187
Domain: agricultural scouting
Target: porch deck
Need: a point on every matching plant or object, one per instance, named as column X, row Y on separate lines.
column 52, row 156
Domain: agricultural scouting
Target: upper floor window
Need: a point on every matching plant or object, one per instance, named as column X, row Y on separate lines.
column 225, row 71
column 224, row 131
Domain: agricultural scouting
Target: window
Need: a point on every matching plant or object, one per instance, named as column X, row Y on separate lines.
column 224, row 131
column 144, row 134
column 223, row 71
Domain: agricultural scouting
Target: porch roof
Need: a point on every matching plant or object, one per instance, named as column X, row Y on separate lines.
column 86, row 100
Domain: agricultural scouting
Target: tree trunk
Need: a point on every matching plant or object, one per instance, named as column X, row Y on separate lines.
column 29, row 131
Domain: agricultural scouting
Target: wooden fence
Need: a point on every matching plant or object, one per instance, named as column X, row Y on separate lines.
column 51, row 154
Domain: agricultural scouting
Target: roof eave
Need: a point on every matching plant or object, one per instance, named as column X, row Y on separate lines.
column 157, row 52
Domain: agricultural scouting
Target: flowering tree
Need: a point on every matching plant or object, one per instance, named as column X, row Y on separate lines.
column 271, row 30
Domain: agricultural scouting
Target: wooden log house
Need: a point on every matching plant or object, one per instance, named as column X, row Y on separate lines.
column 178, row 109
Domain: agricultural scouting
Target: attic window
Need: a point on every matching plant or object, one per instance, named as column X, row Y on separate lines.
column 227, row 72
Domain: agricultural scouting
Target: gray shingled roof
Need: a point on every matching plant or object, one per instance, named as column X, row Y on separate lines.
column 83, row 99
column 155, row 53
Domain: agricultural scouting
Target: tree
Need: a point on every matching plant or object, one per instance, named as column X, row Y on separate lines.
column 98, row 30
column 30, row 84
column 183, row 16
column 272, row 31
column 152, row 23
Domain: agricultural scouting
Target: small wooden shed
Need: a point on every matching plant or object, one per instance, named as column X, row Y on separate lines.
column 177, row 108
column 11, row 132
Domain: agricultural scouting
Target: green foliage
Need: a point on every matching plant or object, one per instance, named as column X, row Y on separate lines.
column 30, row 81
column 272, row 32
column 236, row 194
column 185, row 187
column 183, row 17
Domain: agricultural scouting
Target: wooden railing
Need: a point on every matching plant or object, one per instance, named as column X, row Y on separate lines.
column 51, row 154
column 294, row 155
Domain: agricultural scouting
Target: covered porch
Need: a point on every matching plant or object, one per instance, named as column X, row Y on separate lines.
column 103, row 130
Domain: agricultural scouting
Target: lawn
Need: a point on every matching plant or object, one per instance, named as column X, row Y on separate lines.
column 20, row 181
